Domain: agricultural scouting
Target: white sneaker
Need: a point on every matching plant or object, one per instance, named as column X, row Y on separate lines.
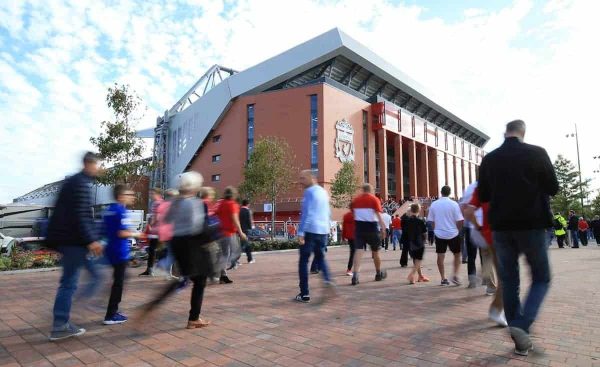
column 498, row 317
column 490, row 291
column 251, row 261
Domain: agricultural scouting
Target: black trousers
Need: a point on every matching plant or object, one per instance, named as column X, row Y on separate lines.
column 583, row 237
column 404, row 255
column 352, row 251
column 385, row 242
column 116, row 292
column 561, row 240
column 247, row 248
column 597, row 237
column 152, row 253
column 199, row 282
column 471, row 252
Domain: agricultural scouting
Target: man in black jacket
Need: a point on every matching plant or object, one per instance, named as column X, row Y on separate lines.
column 246, row 223
column 71, row 230
column 573, row 228
column 517, row 180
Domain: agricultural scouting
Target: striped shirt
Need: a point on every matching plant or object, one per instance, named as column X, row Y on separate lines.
column 365, row 208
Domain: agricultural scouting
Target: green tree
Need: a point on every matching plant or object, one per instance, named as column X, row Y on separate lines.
column 570, row 190
column 596, row 205
column 120, row 149
column 269, row 172
column 344, row 186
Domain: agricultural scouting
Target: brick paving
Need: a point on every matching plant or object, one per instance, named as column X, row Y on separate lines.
column 256, row 323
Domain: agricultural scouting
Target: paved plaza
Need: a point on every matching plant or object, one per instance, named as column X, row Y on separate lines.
column 256, row 323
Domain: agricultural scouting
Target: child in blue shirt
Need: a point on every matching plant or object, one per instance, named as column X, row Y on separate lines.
column 117, row 249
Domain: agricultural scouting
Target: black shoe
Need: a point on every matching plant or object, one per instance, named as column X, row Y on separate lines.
column 225, row 280
column 355, row 280
column 314, row 272
column 381, row 276
column 403, row 266
column 522, row 341
column 147, row 273
column 303, row 299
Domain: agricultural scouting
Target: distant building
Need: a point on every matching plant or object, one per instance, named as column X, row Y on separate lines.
column 332, row 100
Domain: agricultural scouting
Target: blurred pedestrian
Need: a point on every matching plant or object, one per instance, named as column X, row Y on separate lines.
column 595, row 227
column 348, row 229
column 313, row 232
column 404, row 245
column 165, row 231
column 396, row 231
column 71, row 230
column 247, row 223
column 387, row 221
column 194, row 256
column 481, row 226
column 583, row 227
column 447, row 221
column 228, row 211
column 153, row 242
column 573, row 228
column 517, row 179
column 370, row 229
column 118, row 248
column 560, row 229
column 416, row 233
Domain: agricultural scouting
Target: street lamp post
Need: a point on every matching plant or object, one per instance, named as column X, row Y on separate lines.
column 576, row 136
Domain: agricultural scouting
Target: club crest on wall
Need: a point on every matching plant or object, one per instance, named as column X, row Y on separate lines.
column 344, row 141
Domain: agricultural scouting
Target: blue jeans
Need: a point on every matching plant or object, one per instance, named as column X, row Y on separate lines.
column 509, row 245
column 313, row 243
column 575, row 238
column 397, row 235
column 73, row 258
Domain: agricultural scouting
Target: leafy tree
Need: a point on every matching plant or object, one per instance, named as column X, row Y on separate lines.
column 344, row 186
column 596, row 205
column 570, row 190
column 120, row 149
column 269, row 172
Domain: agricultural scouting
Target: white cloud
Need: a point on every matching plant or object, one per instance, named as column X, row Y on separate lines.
column 489, row 67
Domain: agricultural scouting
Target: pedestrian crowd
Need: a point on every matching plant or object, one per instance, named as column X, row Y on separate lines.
column 503, row 215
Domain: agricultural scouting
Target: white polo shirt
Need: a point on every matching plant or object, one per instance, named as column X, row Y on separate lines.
column 387, row 219
column 444, row 213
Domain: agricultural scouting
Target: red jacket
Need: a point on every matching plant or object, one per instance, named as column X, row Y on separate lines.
column 348, row 226
column 583, row 226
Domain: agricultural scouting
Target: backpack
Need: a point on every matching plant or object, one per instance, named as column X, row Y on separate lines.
column 211, row 230
column 557, row 224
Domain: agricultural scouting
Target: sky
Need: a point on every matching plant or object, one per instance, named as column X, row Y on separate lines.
column 488, row 62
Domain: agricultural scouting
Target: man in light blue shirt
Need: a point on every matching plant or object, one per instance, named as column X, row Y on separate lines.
column 312, row 232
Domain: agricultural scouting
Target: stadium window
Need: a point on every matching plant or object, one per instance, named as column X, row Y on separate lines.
column 314, row 133
column 216, row 178
column 216, row 138
column 250, row 113
column 216, row 158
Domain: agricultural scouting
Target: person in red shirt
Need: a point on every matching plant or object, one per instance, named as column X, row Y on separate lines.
column 396, row 231
column 583, row 227
column 208, row 196
column 228, row 211
column 348, row 235
column 370, row 229
column 488, row 255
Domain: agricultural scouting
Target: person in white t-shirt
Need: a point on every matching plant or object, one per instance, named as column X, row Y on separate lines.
column 447, row 221
column 387, row 220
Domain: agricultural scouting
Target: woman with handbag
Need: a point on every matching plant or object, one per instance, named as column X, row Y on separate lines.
column 193, row 254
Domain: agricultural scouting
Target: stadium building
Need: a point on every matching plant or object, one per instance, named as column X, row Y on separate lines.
column 333, row 100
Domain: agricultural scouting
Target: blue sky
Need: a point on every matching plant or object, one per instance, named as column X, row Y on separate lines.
column 488, row 61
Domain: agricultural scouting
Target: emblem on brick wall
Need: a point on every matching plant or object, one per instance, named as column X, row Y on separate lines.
column 344, row 141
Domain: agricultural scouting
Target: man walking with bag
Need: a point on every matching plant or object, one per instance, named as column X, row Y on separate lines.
column 517, row 180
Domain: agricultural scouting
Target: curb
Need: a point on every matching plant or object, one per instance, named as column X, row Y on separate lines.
column 27, row 271
column 45, row 270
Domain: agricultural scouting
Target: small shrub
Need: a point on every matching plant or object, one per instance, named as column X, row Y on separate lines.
column 5, row 263
column 275, row 245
